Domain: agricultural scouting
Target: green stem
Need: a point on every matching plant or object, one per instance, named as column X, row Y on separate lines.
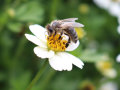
column 37, row 76
column 19, row 51
column 47, row 79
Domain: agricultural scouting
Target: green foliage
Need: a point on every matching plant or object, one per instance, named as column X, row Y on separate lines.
column 29, row 12
column 93, row 56
column 15, row 26
column 21, row 82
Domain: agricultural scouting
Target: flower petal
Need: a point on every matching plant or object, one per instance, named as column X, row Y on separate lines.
column 111, row 73
column 43, row 52
column 63, row 61
column 72, row 46
column 119, row 20
column 36, row 41
column 114, row 9
column 109, row 86
column 118, row 29
column 76, row 61
column 60, row 62
column 38, row 31
column 118, row 58
column 103, row 3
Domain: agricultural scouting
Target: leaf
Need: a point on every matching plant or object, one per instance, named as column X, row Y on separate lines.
column 29, row 12
column 15, row 27
column 20, row 82
column 2, row 76
column 3, row 19
column 92, row 56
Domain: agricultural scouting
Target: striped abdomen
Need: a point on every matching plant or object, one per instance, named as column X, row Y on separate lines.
column 72, row 34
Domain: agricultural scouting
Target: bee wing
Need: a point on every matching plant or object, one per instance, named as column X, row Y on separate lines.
column 73, row 24
column 69, row 20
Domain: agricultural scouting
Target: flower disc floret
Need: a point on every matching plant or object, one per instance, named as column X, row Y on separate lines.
column 56, row 42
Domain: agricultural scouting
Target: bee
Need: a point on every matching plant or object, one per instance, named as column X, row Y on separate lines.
column 65, row 26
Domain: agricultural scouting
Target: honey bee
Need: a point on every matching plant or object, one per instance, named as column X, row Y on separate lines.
column 65, row 26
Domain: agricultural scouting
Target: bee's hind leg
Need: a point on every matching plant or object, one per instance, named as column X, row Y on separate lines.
column 55, row 33
column 61, row 35
column 67, row 44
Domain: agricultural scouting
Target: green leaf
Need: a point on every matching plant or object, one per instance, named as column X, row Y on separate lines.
column 92, row 56
column 15, row 27
column 2, row 76
column 77, row 51
column 3, row 19
column 29, row 12
column 20, row 82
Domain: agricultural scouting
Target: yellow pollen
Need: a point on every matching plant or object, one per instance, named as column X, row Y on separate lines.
column 56, row 43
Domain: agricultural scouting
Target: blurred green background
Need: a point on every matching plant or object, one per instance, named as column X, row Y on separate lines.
column 19, row 64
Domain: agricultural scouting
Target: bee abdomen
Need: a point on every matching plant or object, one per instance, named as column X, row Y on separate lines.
column 75, row 38
column 72, row 33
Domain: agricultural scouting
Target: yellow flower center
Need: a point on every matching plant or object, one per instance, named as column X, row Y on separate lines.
column 107, row 65
column 56, row 42
column 104, row 65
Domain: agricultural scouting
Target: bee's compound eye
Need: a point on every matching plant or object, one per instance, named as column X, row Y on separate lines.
column 50, row 30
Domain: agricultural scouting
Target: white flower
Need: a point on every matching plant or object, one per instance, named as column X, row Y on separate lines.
column 58, row 59
column 114, row 9
column 119, row 20
column 103, row 3
column 110, row 73
column 113, row 6
column 109, row 86
column 118, row 29
column 118, row 58
column 105, row 67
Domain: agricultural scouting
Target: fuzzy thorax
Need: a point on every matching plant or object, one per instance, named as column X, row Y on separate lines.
column 56, row 42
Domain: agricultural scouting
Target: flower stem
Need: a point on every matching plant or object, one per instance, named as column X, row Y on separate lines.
column 18, row 52
column 36, row 78
column 47, row 79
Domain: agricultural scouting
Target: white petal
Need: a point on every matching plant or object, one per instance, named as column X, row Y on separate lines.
column 76, row 61
column 111, row 73
column 119, row 20
column 63, row 61
column 36, row 41
column 114, row 9
column 38, row 31
column 103, row 3
column 72, row 46
column 60, row 62
column 118, row 29
column 118, row 58
column 109, row 86
column 43, row 52
column 65, row 37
